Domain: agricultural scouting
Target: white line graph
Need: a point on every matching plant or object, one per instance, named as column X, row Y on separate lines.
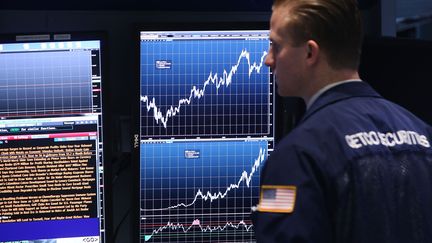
column 206, row 127
column 197, row 223
column 215, row 182
column 197, row 93
column 245, row 177
column 206, row 88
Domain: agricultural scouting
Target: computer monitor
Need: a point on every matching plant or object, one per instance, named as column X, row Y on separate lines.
column 51, row 138
column 205, row 115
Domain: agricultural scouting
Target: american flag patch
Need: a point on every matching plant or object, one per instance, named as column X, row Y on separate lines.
column 277, row 199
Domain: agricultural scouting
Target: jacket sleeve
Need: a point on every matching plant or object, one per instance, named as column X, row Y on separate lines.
column 309, row 221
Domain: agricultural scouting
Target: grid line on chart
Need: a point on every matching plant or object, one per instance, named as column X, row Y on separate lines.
column 210, row 87
column 45, row 83
column 174, row 174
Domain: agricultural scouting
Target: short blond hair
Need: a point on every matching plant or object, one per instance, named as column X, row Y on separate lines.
column 334, row 24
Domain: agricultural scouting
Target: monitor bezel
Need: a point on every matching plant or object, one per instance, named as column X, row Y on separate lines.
column 209, row 25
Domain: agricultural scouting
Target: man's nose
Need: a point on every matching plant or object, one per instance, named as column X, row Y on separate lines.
column 269, row 60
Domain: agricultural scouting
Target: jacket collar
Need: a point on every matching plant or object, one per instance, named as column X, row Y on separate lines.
column 338, row 93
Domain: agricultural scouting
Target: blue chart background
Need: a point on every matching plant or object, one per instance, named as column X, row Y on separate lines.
column 169, row 179
column 242, row 108
column 45, row 83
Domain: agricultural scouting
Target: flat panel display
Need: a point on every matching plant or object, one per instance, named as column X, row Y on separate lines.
column 51, row 139
column 206, row 115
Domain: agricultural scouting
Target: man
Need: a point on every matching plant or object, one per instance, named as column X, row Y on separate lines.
column 357, row 168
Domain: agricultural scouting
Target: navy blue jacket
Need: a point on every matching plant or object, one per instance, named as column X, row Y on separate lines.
column 362, row 169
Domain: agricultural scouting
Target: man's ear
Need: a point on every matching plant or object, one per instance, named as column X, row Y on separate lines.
column 312, row 52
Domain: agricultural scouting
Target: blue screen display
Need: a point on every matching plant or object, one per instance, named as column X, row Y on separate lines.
column 51, row 153
column 206, row 129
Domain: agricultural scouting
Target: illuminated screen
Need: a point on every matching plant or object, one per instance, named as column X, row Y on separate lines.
column 51, row 154
column 206, row 127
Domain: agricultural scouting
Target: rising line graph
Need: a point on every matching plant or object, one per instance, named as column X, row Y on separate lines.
column 215, row 182
column 197, row 93
column 245, row 177
column 206, row 128
column 205, row 88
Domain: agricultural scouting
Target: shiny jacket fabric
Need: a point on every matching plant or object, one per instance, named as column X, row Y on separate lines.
column 363, row 171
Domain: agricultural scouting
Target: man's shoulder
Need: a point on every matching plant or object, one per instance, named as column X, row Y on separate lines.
column 332, row 124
